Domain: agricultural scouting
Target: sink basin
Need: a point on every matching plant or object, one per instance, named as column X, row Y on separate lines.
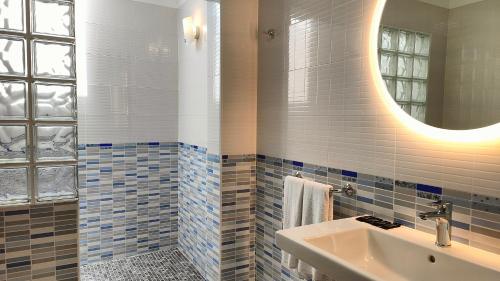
column 351, row 250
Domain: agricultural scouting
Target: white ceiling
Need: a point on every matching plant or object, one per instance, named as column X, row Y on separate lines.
column 450, row 4
column 166, row 3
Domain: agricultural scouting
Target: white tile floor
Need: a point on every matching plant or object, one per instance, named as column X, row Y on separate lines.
column 156, row 266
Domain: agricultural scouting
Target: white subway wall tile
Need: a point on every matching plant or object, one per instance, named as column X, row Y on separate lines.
column 332, row 115
column 131, row 72
column 193, row 77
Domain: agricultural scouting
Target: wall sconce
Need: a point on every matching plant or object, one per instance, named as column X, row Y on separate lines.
column 191, row 31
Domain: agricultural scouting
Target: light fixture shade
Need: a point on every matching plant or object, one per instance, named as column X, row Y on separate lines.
column 191, row 31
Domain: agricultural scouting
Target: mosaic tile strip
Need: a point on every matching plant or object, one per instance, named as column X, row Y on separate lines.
column 269, row 213
column 476, row 218
column 213, row 220
column 128, row 199
column 199, row 201
column 161, row 265
column 39, row 242
column 238, row 217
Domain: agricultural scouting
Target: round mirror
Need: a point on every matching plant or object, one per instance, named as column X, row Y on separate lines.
column 440, row 60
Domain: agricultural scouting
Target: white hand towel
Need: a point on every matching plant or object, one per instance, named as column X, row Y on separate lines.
column 316, row 208
column 292, row 212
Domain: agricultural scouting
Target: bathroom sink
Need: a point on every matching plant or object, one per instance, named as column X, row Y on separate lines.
column 351, row 250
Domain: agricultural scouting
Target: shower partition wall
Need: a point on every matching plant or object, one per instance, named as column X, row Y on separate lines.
column 38, row 130
column 38, row 121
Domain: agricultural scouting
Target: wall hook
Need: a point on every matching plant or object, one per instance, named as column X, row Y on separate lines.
column 270, row 34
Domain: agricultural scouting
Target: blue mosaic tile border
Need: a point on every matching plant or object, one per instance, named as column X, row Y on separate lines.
column 128, row 199
column 213, row 219
column 476, row 217
column 199, row 209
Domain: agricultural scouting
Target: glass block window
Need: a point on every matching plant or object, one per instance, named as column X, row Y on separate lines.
column 38, row 124
column 12, row 15
column 404, row 64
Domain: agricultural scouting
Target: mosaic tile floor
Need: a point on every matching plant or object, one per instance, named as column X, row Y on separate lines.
column 156, row 266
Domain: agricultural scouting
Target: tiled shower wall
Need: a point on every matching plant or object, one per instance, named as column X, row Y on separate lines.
column 238, row 137
column 128, row 72
column 128, row 199
column 217, row 213
column 39, row 243
column 199, row 139
column 199, row 209
column 127, row 77
column 317, row 104
column 128, row 127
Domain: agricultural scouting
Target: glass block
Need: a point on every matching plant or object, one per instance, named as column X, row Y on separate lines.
column 14, row 186
column 388, row 64
column 12, row 143
column 389, row 39
column 54, row 59
column 53, row 18
column 56, row 183
column 406, row 107
column 418, row 112
column 405, row 66
column 391, row 86
column 422, row 44
column 12, row 15
column 12, row 100
column 406, row 41
column 12, row 56
column 403, row 90
column 419, row 91
column 420, row 67
column 56, row 142
column 55, row 101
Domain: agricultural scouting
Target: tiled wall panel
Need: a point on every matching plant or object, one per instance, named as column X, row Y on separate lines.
column 39, row 243
column 199, row 205
column 475, row 217
column 317, row 103
column 238, row 217
column 128, row 199
column 269, row 218
column 217, row 213
column 193, row 76
column 214, row 76
column 127, row 71
column 199, row 106
column 213, row 213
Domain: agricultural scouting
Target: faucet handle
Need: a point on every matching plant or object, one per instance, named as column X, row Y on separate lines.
column 438, row 203
column 442, row 205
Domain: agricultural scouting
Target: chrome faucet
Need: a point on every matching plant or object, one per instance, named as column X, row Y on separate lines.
column 442, row 215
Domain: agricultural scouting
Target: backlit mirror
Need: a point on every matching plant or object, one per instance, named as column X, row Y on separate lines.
column 440, row 60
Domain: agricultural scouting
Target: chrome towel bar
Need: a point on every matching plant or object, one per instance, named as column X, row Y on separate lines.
column 347, row 189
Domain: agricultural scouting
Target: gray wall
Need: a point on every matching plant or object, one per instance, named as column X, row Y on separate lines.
column 472, row 81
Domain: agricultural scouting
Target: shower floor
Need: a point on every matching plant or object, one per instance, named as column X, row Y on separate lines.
column 156, row 266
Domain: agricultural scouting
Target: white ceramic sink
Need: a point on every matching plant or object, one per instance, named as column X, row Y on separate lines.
column 350, row 250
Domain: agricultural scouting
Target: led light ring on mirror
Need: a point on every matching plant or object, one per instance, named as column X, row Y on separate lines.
column 490, row 133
